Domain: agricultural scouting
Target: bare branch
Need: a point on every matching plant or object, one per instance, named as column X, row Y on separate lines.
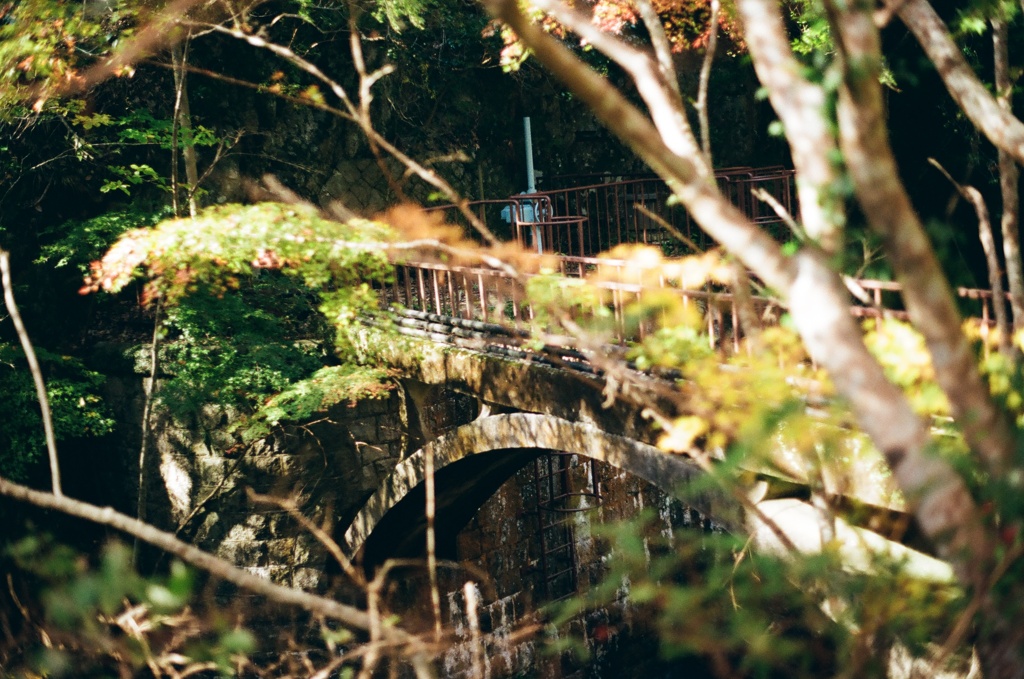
column 801, row 107
column 926, row 291
column 33, row 366
column 141, row 497
column 988, row 244
column 182, row 125
column 107, row 516
column 469, row 592
column 431, row 515
column 1008, row 176
column 662, row 48
column 666, row 111
column 998, row 125
column 705, row 80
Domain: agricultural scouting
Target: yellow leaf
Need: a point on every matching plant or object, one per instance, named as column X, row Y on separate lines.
column 682, row 433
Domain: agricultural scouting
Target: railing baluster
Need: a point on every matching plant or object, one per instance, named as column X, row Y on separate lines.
column 423, row 290
column 437, row 293
column 453, row 294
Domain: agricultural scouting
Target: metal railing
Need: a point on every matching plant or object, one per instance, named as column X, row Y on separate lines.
column 589, row 219
column 486, row 302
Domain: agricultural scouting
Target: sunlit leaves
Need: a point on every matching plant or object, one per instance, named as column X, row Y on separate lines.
column 227, row 241
column 327, row 387
column 686, row 24
column 712, row 600
column 46, row 44
column 683, row 433
column 903, row 354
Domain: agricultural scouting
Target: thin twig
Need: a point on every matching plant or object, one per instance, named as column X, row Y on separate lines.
column 705, row 79
column 147, row 415
column 780, row 210
column 431, row 509
column 995, row 277
column 664, row 223
column 966, row 619
column 662, row 48
column 37, row 374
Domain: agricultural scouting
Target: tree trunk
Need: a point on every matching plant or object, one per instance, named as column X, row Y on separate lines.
column 183, row 123
column 1008, row 178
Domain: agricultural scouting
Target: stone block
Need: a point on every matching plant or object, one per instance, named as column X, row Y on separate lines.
column 371, row 406
column 307, row 579
column 308, row 550
column 373, row 452
column 281, row 550
column 243, row 549
column 384, row 467
column 390, row 427
column 279, row 574
column 364, row 430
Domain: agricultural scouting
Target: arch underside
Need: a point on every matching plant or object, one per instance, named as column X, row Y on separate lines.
column 473, row 461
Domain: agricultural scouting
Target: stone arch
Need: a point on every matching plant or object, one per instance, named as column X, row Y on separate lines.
column 473, row 461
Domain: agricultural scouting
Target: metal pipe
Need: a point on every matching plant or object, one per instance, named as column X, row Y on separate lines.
column 531, row 177
column 531, row 181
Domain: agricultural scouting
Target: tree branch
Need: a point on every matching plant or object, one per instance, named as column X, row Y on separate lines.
column 705, row 80
column 33, row 366
column 666, row 110
column 1008, row 176
column 107, row 516
column 988, row 244
column 817, row 300
column 801, row 106
column 926, row 291
column 1000, row 126
column 662, row 49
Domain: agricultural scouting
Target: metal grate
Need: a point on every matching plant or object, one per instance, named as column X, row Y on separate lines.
column 565, row 485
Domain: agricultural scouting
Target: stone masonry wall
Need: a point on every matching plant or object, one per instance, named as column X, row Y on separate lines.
column 198, row 479
column 196, row 490
column 502, row 540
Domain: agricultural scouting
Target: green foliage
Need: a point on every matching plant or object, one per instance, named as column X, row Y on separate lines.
column 903, row 354
column 238, row 349
column 397, row 12
column 109, row 616
column 75, row 405
column 813, row 41
column 43, row 42
column 78, row 243
column 240, row 286
column 229, row 241
column 314, row 395
column 753, row 614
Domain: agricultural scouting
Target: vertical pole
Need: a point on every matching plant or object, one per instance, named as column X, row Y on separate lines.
column 531, row 182
column 531, row 177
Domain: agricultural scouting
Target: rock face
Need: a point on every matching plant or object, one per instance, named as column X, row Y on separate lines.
column 326, row 468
